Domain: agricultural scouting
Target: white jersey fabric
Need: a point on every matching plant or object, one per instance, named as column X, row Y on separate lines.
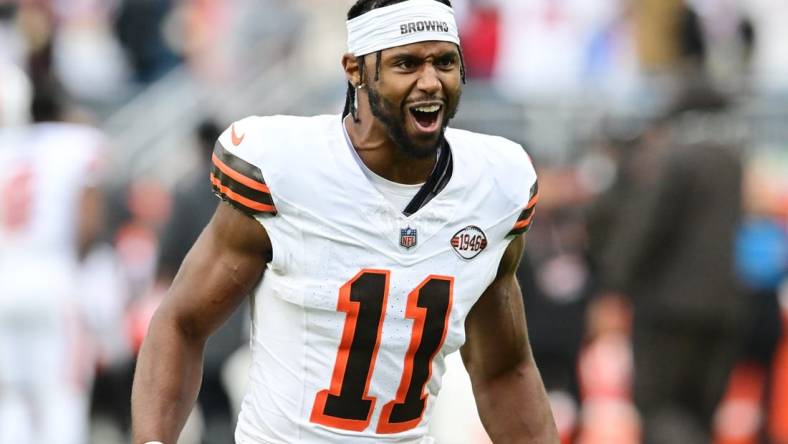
column 46, row 168
column 360, row 303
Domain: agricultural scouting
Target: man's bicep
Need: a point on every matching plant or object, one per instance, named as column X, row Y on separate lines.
column 222, row 267
column 496, row 334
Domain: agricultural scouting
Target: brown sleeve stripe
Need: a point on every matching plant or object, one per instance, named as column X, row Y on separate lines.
column 238, row 177
column 526, row 213
column 523, row 222
column 244, row 204
column 237, row 164
column 520, row 228
column 241, row 188
column 534, row 195
column 240, row 183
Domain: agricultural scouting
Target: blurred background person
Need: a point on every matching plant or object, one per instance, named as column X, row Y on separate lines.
column 50, row 217
column 672, row 254
column 193, row 204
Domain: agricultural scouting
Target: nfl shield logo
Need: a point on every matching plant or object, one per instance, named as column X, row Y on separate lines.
column 407, row 237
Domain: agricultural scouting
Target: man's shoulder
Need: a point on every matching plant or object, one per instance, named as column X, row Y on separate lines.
column 494, row 152
column 495, row 158
column 286, row 125
column 255, row 136
column 258, row 159
column 487, row 146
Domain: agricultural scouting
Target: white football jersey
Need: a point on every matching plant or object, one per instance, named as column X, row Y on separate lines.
column 360, row 304
column 45, row 169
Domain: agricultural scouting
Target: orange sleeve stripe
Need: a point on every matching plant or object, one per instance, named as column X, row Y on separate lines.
column 524, row 223
column 240, row 199
column 240, row 178
column 533, row 200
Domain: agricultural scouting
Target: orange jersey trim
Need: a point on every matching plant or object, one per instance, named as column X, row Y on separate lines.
column 240, row 178
column 240, row 199
column 533, row 200
column 525, row 222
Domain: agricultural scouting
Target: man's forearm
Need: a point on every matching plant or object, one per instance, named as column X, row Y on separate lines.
column 166, row 382
column 514, row 407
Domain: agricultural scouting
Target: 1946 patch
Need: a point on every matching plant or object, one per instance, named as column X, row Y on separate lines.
column 469, row 242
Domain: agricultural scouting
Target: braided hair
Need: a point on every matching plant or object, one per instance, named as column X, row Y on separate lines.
column 362, row 7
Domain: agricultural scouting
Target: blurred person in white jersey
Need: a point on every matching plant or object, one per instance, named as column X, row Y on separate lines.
column 49, row 216
column 387, row 240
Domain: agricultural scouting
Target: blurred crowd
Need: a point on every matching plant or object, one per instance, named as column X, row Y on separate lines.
column 655, row 279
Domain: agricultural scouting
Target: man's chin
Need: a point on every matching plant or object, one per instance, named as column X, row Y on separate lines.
column 421, row 149
column 420, row 154
column 411, row 144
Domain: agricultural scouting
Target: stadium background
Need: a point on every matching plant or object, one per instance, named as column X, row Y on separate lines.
column 575, row 81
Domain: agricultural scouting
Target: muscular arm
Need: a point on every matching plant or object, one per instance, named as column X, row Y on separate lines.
column 224, row 264
column 509, row 391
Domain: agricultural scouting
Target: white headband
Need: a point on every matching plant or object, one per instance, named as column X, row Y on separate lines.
column 411, row 21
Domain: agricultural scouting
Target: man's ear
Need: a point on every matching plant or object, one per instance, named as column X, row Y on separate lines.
column 352, row 69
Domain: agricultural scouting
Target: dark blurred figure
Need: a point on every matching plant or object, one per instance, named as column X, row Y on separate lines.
column 761, row 246
column 193, row 205
column 139, row 26
column 762, row 249
column 672, row 254
column 621, row 143
column 691, row 40
column 555, row 290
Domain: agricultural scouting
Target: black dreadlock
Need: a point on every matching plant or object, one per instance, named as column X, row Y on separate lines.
column 362, row 7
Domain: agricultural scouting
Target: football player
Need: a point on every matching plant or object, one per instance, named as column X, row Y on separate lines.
column 50, row 216
column 388, row 241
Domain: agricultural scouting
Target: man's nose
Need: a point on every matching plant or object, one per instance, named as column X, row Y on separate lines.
column 429, row 82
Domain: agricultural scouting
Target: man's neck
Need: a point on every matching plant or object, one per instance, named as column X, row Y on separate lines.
column 381, row 155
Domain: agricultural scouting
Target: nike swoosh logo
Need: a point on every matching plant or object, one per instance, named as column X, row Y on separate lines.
column 235, row 139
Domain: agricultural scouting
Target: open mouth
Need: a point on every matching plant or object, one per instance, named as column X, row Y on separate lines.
column 427, row 117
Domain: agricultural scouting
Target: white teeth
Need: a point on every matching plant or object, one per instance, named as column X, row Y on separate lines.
column 428, row 109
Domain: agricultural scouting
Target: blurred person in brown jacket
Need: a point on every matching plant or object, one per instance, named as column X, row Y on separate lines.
column 671, row 255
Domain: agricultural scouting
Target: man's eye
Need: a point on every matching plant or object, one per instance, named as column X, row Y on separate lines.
column 406, row 64
column 445, row 62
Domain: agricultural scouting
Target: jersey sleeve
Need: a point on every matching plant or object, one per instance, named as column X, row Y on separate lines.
column 518, row 180
column 237, row 181
column 523, row 222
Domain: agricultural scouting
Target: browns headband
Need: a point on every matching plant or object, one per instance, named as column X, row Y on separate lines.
column 411, row 21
